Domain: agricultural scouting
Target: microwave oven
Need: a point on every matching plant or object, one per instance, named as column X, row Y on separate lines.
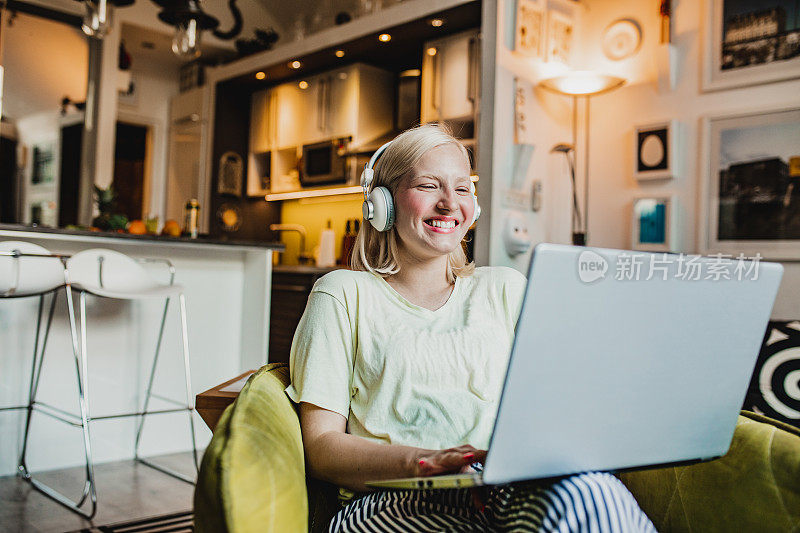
column 324, row 162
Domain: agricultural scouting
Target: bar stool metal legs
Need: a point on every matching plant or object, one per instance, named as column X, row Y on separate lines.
column 189, row 407
column 110, row 274
column 89, row 489
column 123, row 279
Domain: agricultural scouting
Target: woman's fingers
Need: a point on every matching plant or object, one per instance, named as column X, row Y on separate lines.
column 450, row 460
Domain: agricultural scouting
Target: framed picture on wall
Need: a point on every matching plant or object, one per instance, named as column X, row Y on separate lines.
column 653, row 224
column 44, row 164
column 655, row 151
column 529, row 34
column 750, row 42
column 750, row 188
column 560, row 34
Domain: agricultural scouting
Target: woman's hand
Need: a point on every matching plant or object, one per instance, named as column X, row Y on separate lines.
column 451, row 460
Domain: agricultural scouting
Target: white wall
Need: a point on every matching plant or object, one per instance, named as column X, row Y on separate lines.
column 547, row 119
column 640, row 102
column 613, row 116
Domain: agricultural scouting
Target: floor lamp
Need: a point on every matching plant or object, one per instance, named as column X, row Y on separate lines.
column 579, row 84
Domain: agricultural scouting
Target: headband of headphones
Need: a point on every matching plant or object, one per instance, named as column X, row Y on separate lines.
column 368, row 173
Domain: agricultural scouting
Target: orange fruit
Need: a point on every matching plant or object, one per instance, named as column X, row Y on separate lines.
column 137, row 227
column 171, row 228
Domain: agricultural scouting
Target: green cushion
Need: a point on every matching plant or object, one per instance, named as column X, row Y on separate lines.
column 252, row 477
column 754, row 487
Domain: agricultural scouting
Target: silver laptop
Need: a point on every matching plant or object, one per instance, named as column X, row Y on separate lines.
column 623, row 360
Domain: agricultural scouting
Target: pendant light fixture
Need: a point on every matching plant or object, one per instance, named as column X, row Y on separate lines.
column 97, row 21
column 186, row 16
column 189, row 21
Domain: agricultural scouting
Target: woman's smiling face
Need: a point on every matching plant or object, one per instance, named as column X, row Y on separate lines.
column 434, row 203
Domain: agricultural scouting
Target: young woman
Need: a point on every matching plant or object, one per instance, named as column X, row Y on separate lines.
column 398, row 366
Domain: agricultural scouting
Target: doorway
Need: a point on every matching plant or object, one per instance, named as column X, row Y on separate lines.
column 131, row 169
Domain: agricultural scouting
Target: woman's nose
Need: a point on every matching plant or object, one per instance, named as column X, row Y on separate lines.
column 448, row 199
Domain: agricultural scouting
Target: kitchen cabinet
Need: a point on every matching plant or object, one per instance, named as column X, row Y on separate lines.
column 262, row 125
column 354, row 101
column 293, row 106
column 262, row 141
column 291, row 287
column 451, row 78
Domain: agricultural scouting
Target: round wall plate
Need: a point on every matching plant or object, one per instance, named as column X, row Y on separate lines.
column 229, row 217
column 622, row 39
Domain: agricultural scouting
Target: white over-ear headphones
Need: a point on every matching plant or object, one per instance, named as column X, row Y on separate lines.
column 378, row 206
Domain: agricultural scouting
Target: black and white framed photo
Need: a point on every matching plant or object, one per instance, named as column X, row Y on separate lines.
column 655, row 151
column 530, row 29
column 773, row 389
column 750, row 42
column 750, row 188
column 653, row 224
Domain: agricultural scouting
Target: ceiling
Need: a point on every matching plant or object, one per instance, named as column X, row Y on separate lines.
column 46, row 61
column 308, row 15
column 403, row 52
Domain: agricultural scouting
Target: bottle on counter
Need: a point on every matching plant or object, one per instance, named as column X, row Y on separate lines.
column 348, row 242
column 191, row 218
column 327, row 244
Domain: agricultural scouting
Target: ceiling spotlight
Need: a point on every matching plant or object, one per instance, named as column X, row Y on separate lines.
column 295, row 64
column 303, row 84
column 260, row 75
column 339, row 53
column 384, row 37
column 431, row 51
column 437, row 23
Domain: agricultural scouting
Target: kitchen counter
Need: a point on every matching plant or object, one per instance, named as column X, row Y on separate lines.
column 43, row 232
column 304, row 269
column 228, row 288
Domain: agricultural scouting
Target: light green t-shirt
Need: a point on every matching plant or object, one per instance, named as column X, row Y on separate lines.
column 403, row 374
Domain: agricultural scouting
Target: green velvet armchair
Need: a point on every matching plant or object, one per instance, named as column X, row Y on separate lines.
column 252, row 477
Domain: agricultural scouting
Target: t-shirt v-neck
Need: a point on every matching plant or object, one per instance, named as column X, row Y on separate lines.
column 393, row 293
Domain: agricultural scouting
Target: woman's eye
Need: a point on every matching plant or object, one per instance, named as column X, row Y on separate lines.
column 428, row 186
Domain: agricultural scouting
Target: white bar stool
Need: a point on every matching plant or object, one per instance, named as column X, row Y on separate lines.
column 111, row 274
column 28, row 270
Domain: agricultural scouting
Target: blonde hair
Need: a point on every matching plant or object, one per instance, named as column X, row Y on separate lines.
column 376, row 251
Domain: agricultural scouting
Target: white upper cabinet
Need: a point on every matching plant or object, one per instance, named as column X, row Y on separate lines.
column 354, row 101
column 294, row 109
column 451, row 77
column 263, row 122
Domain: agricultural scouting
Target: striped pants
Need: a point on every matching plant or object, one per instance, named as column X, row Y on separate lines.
column 593, row 502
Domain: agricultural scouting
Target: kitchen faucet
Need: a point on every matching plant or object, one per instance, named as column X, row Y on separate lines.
column 302, row 257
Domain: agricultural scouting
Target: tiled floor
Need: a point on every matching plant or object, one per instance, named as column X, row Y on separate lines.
column 125, row 491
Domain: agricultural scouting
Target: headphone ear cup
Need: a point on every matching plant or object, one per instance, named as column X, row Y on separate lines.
column 476, row 211
column 382, row 209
